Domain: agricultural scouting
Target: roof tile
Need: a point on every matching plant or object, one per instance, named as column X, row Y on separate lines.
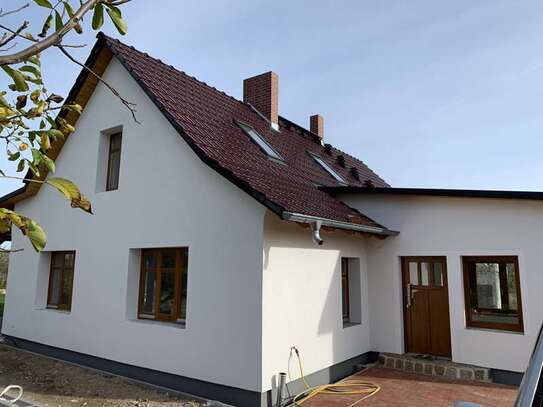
column 206, row 118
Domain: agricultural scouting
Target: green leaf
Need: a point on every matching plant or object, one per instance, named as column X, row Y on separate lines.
column 37, row 157
column 46, row 26
column 18, row 78
column 58, row 21
column 50, row 164
column 35, row 59
column 72, row 193
column 117, row 18
column 3, row 101
column 31, row 69
column 36, row 235
column 21, row 166
column 73, row 108
column 45, row 142
column 55, row 134
column 78, row 29
column 14, row 157
column 43, row 3
column 98, row 17
column 28, row 227
column 68, row 8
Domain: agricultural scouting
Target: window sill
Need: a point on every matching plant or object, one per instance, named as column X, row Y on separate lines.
column 58, row 311
column 348, row 324
column 171, row 324
column 491, row 330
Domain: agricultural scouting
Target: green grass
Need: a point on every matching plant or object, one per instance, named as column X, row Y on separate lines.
column 2, row 299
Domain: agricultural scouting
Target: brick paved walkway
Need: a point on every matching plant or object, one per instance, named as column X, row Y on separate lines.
column 409, row 390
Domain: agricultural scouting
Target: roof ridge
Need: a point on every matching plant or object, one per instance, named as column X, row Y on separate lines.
column 169, row 66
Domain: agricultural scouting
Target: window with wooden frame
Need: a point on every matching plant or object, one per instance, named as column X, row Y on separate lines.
column 163, row 284
column 61, row 277
column 345, row 305
column 114, row 161
column 492, row 292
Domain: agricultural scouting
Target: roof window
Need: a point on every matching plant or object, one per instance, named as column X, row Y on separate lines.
column 263, row 144
column 328, row 169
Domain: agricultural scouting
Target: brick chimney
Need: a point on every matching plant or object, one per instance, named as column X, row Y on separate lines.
column 316, row 125
column 261, row 92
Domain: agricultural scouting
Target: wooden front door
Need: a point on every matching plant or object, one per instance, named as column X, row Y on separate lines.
column 426, row 306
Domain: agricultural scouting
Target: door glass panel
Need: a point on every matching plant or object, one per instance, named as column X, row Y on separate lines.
column 413, row 273
column 425, row 269
column 168, row 260
column 167, row 291
column 148, row 302
column 438, row 275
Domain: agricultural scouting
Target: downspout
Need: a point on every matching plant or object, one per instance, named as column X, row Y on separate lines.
column 316, row 232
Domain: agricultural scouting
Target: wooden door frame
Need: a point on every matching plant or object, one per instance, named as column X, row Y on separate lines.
column 404, row 261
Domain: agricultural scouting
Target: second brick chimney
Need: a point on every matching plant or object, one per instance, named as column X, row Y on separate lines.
column 316, row 125
column 262, row 92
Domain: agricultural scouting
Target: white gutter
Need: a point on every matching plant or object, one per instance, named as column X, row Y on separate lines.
column 316, row 222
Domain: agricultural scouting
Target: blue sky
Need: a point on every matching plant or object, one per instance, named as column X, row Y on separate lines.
column 445, row 94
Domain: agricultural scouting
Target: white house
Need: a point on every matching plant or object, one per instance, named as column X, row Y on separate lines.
column 224, row 234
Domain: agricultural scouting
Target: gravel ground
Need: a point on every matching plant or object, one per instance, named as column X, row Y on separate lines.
column 49, row 382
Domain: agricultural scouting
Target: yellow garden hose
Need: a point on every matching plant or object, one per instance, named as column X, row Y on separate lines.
column 346, row 387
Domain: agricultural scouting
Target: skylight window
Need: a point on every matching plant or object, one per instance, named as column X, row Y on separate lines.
column 328, row 169
column 263, row 144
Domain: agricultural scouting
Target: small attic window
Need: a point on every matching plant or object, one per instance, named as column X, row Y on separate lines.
column 328, row 169
column 259, row 140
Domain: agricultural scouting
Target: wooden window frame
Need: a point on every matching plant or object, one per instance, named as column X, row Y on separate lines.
column 345, row 290
column 58, row 306
column 467, row 261
column 176, row 317
column 111, row 151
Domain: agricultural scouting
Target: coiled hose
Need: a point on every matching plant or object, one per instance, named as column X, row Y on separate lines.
column 346, row 387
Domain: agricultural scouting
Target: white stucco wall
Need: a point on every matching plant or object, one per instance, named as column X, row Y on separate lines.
column 166, row 197
column 302, row 299
column 455, row 227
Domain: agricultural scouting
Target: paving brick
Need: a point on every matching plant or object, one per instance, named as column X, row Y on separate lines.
column 402, row 389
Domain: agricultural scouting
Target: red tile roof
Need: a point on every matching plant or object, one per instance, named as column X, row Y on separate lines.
column 205, row 117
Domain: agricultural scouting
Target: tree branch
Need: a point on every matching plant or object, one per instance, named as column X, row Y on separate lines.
column 14, row 34
column 3, row 27
column 52, row 40
column 129, row 105
column 7, row 13
column 116, row 3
